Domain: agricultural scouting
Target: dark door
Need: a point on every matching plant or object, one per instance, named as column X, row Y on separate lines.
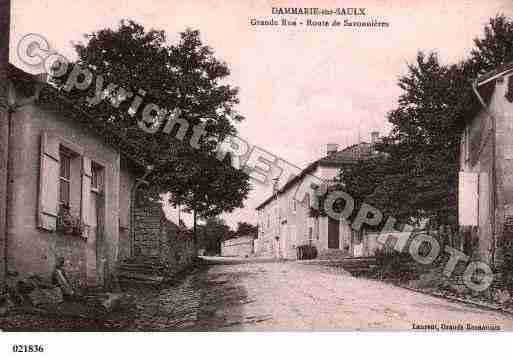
column 333, row 234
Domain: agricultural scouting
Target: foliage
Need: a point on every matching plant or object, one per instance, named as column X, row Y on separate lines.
column 307, row 251
column 495, row 48
column 67, row 223
column 185, row 75
column 418, row 177
column 245, row 229
column 506, row 266
column 213, row 232
column 393, row 265
column 206, row 186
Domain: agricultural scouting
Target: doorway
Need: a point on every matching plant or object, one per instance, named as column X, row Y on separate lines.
column 333, row 234
column 94, row 261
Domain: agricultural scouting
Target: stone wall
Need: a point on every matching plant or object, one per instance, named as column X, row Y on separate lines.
column 156, row 236
column 238, row 247
column 148, row 218
column 177, row 246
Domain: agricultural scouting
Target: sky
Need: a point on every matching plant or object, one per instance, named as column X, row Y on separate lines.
column 300, row 87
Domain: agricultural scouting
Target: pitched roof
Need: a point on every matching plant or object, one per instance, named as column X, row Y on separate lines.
column 27, row 84
column 348, row 155
column 490, row 75
column 485, row 86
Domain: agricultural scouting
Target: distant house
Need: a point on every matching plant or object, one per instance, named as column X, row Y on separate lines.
column 486, row 165
column 242, row 246
column 71, row 193
column 284, row 223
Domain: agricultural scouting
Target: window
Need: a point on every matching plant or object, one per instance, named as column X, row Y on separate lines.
column 307, row 200
column 96, row 177
column 294, row 205
column 65, row 182
column 64, row 178
column 310, row 232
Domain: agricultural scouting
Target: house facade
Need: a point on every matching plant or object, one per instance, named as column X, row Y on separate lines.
column 242, row 246
column 285, row 223
column 70, row 193
column 486, row 168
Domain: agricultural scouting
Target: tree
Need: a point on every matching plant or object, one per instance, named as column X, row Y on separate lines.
column 210, row 188
column 495, row 48
column 246, row 229
column 186, row 76
column 215, row 231
column 419, row 177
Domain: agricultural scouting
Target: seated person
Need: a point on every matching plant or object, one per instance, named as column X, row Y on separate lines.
column 60, row 278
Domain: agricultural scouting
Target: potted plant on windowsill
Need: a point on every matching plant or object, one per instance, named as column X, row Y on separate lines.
column 78, row 227
column 64, row 220
column 67, row 223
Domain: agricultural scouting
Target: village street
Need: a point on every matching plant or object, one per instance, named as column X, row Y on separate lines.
column 293, row 296
column 259, row 296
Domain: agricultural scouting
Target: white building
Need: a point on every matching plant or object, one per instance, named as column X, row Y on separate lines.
column 242, row 246
column 284, row 223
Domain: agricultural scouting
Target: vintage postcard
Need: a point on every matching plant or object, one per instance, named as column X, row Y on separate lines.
column 271, row 165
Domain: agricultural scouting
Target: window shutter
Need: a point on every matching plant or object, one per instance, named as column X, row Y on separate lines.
column 468, row 198
column 48, row 182
column 85, row 211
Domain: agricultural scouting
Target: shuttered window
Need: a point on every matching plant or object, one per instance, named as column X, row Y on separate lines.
column 64, row 178
column 468, row 199
column 60, row 182
column 86, row 195
column 48, row 182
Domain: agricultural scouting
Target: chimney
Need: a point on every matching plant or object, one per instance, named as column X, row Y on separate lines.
column 331, row 148
column 276, row 186
column 374, row 137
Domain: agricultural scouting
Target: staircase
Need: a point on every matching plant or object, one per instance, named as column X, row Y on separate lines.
column 142, row 270
column 340, row 258
column 333, row 254
column 359, row 265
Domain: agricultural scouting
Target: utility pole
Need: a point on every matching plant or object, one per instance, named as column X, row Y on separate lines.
column 278, row 219
column 5, row 24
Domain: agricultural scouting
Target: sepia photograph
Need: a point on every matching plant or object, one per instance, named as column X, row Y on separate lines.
column 255, row 166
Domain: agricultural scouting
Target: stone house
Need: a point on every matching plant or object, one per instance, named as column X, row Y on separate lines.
column 284, row 223
column 70, row 190
column 486, row 168
column 242, row 246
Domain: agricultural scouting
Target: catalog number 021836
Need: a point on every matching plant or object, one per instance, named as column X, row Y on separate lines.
column 31, row 348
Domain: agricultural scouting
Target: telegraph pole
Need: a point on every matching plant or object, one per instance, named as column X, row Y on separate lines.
column 278, row 219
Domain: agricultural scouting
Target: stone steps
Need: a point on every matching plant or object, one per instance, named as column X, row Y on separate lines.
column 332, row 254
column 142, row 270
column 353, row 265
column 141, row 277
